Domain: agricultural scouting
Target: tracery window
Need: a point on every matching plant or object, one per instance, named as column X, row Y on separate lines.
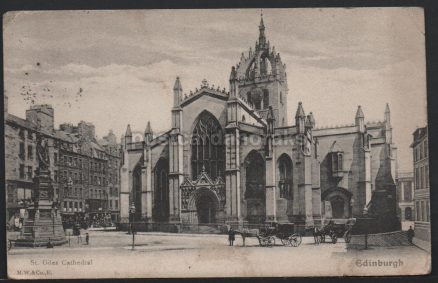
column 337, row 162
column 265, row 99
column 285, row 183
column 208, row 149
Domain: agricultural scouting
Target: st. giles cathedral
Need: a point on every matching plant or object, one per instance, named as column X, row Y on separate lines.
column 231, row 156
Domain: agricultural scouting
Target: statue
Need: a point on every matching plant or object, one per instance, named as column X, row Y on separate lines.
column 43, row 153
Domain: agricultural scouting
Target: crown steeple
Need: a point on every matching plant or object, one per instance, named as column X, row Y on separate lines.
column 261, row 76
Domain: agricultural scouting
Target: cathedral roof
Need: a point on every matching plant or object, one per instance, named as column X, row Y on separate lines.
column 206, row 89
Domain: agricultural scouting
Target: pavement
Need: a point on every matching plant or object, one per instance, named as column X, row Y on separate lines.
column 110, row 255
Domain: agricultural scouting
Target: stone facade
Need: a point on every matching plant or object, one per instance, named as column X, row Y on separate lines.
column 422, row 187
column 84, row 171
column 233, row 156
column 405, row 198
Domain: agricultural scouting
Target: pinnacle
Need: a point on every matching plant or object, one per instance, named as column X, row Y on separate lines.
column 148, row 129
column 128, row 131
column 177, row 85
column 300, row 111
column 387, row 108
column 359, row 113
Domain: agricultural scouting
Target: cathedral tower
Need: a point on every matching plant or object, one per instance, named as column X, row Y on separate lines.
column 262, row 79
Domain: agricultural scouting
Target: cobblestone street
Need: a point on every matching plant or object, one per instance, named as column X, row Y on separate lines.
column 169, row 255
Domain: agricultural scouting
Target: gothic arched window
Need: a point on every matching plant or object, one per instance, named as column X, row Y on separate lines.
column 285, row 172
column 265, row 98
column 161, row 190
column 208, row 149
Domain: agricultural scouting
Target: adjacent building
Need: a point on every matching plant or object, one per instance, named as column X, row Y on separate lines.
column 420, row 149
column 85, row 173
column 233, row 156
column 405, row 198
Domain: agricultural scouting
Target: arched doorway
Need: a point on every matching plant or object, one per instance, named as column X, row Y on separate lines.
column 203, row 206
column 338, row 207
column 206, row 208
column 337, row 203
column 255, row 187
column 161, row 191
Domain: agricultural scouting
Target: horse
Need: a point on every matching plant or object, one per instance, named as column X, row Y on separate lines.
column 317, row 234
column 254, row 233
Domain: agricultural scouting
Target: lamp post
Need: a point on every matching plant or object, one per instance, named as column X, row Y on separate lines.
column 131, row 222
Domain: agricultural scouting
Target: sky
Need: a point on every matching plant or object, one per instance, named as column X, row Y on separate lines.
column 114, row 68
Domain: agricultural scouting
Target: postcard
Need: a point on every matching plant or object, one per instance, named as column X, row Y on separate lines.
column 216, row 143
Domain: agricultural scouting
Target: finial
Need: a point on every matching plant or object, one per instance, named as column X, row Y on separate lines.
column 359, row 112
column 387, row 108
column 204, row 83
column 177, row 85
column 128, row 131
column 261, row 19
column 300, row 111
column 148, row 129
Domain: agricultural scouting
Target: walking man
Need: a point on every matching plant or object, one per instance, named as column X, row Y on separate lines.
column 411, row 234
column 231, row 236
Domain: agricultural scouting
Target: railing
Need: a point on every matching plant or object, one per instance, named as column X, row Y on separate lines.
column 203, row 228
column 210, row 228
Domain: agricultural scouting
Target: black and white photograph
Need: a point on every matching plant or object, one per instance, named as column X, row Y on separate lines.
column 216, row 143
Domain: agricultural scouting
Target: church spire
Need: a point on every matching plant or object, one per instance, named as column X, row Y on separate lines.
column 262, row 37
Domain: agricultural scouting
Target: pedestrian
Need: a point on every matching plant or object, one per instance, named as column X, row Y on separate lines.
column 231, row 236
column 49, row 244
column 78, row 233
column 411, row 234
column 87, row 238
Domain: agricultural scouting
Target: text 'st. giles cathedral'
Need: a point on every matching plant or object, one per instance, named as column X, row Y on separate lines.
column 233, row 157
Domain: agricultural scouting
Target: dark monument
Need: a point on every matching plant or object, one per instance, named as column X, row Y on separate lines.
column 381, row 214
column 43, row 224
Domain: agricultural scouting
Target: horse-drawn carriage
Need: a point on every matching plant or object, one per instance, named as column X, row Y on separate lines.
column 267, row 235
column 334, row 231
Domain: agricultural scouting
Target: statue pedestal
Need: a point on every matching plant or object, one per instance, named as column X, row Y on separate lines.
column 44, row 222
